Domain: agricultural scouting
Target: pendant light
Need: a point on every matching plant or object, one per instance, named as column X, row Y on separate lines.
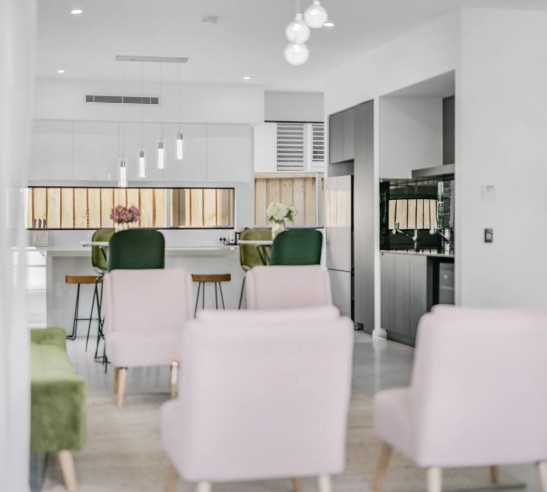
column 161, row 142
column 122, row 181
column 296, row 54
column 142, row 151
column 297, row 31
column 315, row 15
column 180, row 136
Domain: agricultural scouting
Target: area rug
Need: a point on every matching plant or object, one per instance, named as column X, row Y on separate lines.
column 123, row 453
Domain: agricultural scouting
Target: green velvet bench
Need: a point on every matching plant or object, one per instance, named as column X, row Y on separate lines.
column 58, row 401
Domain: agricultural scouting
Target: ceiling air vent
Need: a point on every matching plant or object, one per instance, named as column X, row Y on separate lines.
column 122, row 99
column 290, row 146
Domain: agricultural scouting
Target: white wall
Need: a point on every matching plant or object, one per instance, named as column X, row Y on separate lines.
column 501, row 135
column 60, row 98
column 431, row 50
column 410, row 135
column 294, row 106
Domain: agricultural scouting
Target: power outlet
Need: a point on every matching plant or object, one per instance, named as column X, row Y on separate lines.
column 488, row 235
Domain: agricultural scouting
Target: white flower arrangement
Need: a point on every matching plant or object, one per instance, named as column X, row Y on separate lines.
column 278, row 212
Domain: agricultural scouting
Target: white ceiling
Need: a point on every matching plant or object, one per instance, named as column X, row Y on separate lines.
column 247, row 40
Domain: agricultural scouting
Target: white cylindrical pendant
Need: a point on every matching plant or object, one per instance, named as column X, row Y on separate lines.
column 161, row 155
column 123, row 174
column 142, row 164
column 180, row 146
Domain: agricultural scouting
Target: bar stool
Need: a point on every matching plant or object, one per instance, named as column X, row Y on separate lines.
column 80, row 280
column 215, row 278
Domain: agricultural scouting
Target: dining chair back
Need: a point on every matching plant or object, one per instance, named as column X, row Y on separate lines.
column 145, row 313
column 263, row 395
column 478, row 395
column 297, row 247
column 136, row 249
column 280, row 287
column 99, row 254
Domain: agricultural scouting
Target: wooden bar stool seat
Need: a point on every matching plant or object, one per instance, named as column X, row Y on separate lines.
column 80, row 280
column 208, row 278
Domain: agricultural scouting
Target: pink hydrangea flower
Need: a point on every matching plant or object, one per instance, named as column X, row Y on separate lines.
column 121, row 214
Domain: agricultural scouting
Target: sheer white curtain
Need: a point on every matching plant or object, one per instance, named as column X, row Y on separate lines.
column 17, row 38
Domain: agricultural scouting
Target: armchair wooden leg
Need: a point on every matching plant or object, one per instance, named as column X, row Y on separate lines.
column 324, row 483
column 116, row 371
column 174, row 378
column 542, row 472
column 203, row 487
column 122, row 374
column 385, row 454
column 296, row 485
column 494, row 475
column 172, row 479
column 434, row 479
column 66, row 459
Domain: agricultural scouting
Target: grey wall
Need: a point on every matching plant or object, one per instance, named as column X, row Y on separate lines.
column 293, row 106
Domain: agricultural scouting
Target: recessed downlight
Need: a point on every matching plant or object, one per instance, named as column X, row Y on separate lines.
column 328, row 24
column 246, row 77
column 76, row 11
column 61, row 70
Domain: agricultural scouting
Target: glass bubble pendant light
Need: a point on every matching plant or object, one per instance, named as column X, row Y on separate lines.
column 296, row 54
column 297, row 31
column 315, row 15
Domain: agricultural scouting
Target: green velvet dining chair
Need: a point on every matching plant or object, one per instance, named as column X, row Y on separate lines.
column 297, row 247
column 136, row 249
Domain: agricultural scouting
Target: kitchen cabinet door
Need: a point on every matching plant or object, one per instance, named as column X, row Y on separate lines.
column 336, row 137
column 51, row 151
column 349, row 134
column 417, row 292
column 229, row 153
column 96, row 150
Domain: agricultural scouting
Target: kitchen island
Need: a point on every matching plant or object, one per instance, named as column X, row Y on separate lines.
column 412, row 282
column 76, row 260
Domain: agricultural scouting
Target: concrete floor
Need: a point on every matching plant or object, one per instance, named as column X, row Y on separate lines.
column 378, row 364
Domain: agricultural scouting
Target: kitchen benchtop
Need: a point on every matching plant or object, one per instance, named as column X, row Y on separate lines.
column 429, row 253
column 80, row 250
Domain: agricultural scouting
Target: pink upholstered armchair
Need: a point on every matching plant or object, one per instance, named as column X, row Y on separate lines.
column 478, row 395
column 280, row 287
column 145, row 312
column 262, row 395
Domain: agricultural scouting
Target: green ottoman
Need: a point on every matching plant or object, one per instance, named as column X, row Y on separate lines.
column 58, row 401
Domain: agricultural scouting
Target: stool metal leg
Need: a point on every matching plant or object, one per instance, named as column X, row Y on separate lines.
column 241, row 295
column 221, row 295
column 197, row 299
column 203, row 297
column 95, row 296
column 72, row 336
column 216, row 295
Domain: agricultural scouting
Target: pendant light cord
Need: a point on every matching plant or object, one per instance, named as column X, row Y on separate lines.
column 160, row 102
column 123, row 114
column 180, row 94
column 142, row 106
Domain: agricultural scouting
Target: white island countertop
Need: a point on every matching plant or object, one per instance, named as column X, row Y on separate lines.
column 80, row 250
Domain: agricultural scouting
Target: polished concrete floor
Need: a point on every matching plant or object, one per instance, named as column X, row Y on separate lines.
column 378, row 365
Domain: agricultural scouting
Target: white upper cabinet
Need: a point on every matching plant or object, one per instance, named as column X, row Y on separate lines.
column 229, row 153
column 95, row 150
column 51, row 152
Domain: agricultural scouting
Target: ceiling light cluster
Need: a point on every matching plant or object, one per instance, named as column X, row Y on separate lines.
column 298, row 32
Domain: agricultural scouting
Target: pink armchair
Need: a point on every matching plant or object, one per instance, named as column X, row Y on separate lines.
column 263, row 395
column 275, row 287
column 478, row 395
column 145, row 311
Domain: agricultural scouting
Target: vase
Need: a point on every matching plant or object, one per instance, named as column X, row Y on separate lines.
column 121, row 226
column 278, row 226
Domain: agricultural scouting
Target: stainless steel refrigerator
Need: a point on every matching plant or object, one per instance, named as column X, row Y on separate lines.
column 339, row 241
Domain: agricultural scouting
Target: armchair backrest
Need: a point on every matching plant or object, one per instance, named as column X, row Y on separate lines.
column 280, row 287
column 264, row 394
column 479, row 387
column 147, row 300
column 99, row 254
column 248, row 253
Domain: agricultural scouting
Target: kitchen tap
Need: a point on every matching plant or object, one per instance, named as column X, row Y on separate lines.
column 414, row 238
column 444, row 236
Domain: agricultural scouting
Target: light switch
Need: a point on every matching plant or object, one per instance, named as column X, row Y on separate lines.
column 489, row 192
column 489, row 235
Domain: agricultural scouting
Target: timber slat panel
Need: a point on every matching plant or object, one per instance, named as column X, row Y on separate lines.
column 94, row 207
column 196, row 205
column 107, row 204
column 53, row 208
column 67, row 208
column 40, row 204
column 160, row 219
column 209, row 208
column 81, row 220
column 412, row 214
column 146, row 200
column 420, row 214
column 299, row 201
column 310, row 216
